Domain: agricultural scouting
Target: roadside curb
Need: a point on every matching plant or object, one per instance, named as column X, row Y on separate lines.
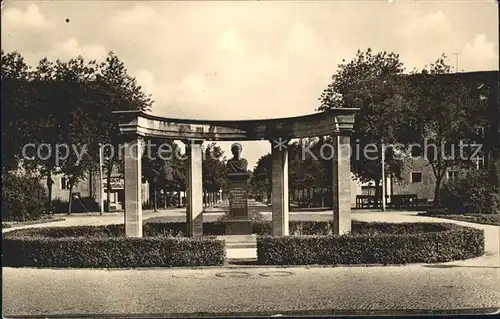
column 228, row 266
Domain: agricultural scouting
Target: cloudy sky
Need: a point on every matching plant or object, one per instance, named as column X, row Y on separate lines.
column 239, row 60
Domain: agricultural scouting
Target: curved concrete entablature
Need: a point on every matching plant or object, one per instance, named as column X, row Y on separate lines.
column 334, row 121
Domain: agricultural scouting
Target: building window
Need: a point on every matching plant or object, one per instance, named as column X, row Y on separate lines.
column 64, row 183
column 451, row 175
column 416, row 177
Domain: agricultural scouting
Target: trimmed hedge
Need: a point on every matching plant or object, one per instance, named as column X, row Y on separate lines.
column 311, row 243
column 99, row 247
column 378, row 243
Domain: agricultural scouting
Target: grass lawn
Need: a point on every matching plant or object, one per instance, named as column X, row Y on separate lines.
column 42, row 220
column 486, row 219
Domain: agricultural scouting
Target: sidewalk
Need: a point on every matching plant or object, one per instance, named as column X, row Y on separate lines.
column 94, row 219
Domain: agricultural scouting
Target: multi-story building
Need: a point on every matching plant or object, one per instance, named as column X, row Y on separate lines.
column 91, row 186
column 418, row 176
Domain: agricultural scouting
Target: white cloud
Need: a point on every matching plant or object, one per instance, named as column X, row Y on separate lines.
column 302, row 39
column 231, row 41
column 192, row 84
column 29, row 18
column 71, row 48
column 433, row 24
column 146, row 79
column 479, row 54
column 139, row 14
column 423, row 38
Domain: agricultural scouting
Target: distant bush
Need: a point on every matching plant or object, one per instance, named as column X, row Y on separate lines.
column 253, row 215
column 471, row 192
column 23, row 197
column 375, row 243
column 81, row 205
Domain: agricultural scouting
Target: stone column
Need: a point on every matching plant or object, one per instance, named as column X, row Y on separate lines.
column 279, row 197
column 194, row 196
column 133, row 149
column 341, row 186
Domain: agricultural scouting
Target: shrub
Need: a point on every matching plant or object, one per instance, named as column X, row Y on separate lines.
column 23, row 197
column 471, row 192
column 100, row 247
column 253, row 215
column 82, row 205
column 375, row 243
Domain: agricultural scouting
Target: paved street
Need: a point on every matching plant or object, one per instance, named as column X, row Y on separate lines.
column 462, row 284
column 29, row 291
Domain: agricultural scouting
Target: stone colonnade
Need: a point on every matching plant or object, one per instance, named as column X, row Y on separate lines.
column 135, row 126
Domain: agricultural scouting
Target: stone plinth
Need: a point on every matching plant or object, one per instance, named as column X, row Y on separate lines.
column 238, row 222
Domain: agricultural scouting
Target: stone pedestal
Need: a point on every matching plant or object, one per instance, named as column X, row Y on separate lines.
column 238, row 222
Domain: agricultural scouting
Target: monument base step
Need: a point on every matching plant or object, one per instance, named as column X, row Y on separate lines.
column 241, row 245
column 239, row 239
column 238, row 227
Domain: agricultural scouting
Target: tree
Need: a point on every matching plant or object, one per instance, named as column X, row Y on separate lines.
column 214, row 169
column 65, row 103
column 371, row 82
column 157, row 166
column 125, row 94
column 179, row 169
column 261, row 177
column 49, row 106
column 16, row 93
column 443, row 118
column 82, row 100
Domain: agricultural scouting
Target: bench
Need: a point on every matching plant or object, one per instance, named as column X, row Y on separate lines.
column 393, row 201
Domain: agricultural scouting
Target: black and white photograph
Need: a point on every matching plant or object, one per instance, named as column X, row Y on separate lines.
column 220, row 159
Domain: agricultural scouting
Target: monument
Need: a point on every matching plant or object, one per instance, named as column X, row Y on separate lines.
column 238, row 222
column 136, row 125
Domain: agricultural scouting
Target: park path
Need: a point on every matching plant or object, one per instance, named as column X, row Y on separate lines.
column 93, row 219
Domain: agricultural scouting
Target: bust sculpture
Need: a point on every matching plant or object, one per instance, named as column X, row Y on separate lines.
column 237, row 164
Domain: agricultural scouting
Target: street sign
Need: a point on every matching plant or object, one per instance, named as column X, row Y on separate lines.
column 116, row 183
